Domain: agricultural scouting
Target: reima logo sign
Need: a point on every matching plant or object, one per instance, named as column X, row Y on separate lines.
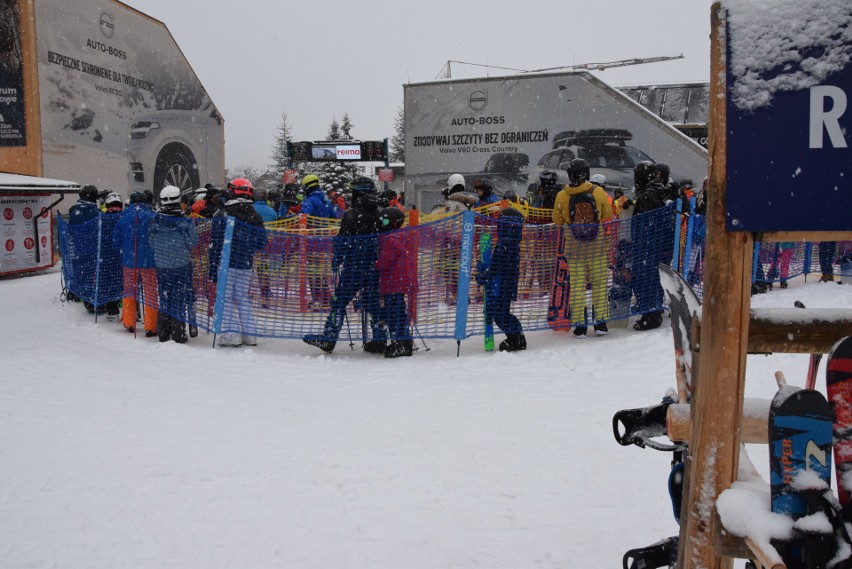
column 349, row 152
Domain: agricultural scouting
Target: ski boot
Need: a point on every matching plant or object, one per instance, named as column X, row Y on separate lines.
column 179, row 334
column 649, row 321
column 375, row 347
column 399, row 348
column 514, row 342
column 320, row 341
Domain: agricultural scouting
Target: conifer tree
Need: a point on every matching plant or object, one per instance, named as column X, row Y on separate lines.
column 346, row 127
column 397, row 142
column 279, row 156
column 333, row 130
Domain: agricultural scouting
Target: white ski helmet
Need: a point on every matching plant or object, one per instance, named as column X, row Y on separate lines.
column 170, row 195
column 455, row 180
column 598, row 179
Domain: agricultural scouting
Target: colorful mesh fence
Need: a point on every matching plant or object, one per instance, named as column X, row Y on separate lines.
column 297, row 276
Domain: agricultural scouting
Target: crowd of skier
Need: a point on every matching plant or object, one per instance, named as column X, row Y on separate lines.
column 373, row 265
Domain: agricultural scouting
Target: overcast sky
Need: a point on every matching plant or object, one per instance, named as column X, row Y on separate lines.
column 318, row 59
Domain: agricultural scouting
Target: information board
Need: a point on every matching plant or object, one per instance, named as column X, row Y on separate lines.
column 789, row 125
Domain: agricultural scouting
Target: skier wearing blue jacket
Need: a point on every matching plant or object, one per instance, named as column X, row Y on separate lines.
column 137, row 260
column 263, row 209
column 500, row 279
column 316, row 203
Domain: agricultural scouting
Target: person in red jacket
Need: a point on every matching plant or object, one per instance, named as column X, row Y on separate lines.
column 396, row 279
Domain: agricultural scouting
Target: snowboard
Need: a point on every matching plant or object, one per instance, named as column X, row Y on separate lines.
column 683, row 305
column 485, row 260
column 839, row 388
column 559, row 308
column 800, row 436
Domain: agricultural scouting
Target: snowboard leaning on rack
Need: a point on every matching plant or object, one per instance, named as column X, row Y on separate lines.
column 559, row 309
column 838, row 380
column 683, row 304
column 800, row 437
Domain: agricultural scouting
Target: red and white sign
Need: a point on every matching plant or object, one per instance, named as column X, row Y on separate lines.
column 17, row 231
column 349, row 152
column 385, row 174
column 289, row 176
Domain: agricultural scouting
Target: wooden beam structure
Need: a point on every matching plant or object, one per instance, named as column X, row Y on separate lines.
column 727, row 331
column 792, row 330
column 717, row 397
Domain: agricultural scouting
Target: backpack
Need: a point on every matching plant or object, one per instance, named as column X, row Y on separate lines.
column 584, row 216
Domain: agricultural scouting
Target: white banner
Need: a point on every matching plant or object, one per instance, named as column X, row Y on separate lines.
column 18, row 235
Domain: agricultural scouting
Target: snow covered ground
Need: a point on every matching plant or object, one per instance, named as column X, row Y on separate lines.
column 121, row 452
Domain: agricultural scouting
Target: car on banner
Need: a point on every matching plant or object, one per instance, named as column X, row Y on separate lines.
column 606, row 151
column 505, row 171
column 169, row 148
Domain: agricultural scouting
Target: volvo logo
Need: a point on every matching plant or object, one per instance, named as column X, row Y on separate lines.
column 107, row 25
column 478, row 100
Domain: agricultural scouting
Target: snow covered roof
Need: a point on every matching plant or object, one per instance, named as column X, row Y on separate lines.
column 18, row 183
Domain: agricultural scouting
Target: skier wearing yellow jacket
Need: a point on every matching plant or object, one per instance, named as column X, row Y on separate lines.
column 582, row 206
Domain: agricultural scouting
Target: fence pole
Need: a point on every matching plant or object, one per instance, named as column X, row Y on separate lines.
column 690, row 227
column 678, row 220
column 222, row 278
column 98, row 265
column 465, row 261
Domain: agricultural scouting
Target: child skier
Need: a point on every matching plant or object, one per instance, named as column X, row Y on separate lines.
column 396, row 279
column 500, row 279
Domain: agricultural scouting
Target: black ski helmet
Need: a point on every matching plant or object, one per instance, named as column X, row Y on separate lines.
column 386, row 197
column 391, row 218
column 643, row 174
column 663, row 172
column 88, row 193
column 363, row 184
column 578, row 171
column 548, row 178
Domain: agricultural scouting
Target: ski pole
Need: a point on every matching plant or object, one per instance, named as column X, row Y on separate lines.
column 419, row 335
column 348, row 331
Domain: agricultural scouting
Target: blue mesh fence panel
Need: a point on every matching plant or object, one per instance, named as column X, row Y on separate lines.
column 299, row 277
column 438, row 258
column 93, row 267
column 836, row 255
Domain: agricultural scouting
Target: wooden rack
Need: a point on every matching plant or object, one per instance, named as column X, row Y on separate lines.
column 727, row 333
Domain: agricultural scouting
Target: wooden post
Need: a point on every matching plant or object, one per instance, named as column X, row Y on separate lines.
column 717, row 397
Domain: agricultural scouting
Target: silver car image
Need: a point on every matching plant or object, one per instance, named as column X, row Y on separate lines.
column 170, row 148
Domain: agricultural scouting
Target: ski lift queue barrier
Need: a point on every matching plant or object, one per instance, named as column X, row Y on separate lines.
column 289, row 282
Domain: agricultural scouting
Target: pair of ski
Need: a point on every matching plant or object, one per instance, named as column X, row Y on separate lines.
column 803, row 429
